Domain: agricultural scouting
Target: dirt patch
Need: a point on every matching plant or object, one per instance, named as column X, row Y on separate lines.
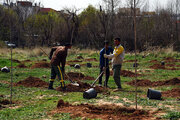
column 90, row 59
column 5, row 102
column 32, row 82
column 174, row 81
column 165, row 67
column 41, row 65
column 80, row 57
column 153, row 61
column 17, row 61
column 172, row 93
column 74, row 61
column 171, row 59
column 129, row 61
column 126, row 73
column 104, row 112
column 78, row 76
column 26, row 61
column 2, row 96
column 82, row 88
column 21, row 66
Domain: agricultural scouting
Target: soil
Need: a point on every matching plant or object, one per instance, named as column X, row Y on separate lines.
column 126, row 73
column 26, row 61
column 172, row 93
column 90, row 59
column 174, row 81
column 159, row 66
column 5, row 102
column 74, row 61
column 82, row 88
column 104, row 112
column 17, row 61
column 153, row 61
column 21, row 65
column 32, row 82
column 80, row 57
column 129, row 61
column 41, row 65
column 171, row 59
column 78, row 76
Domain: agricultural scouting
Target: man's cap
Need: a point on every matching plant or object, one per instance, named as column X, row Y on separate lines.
column 106, row 42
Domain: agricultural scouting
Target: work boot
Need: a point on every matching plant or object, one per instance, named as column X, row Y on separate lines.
column 51, row 85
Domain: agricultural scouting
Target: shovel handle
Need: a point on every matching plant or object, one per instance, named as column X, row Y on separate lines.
column 97, row 79
column 69, row 78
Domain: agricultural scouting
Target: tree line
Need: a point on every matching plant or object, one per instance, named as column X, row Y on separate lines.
column 91, row 27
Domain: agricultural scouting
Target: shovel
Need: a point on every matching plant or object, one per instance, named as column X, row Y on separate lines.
column 91, row 93
column 97, row 79
column 72, row 82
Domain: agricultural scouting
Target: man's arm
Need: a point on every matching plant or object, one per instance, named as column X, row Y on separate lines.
column 117, row 52
column 51, row 53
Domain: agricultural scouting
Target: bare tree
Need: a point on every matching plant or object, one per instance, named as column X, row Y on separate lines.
column 72, row 23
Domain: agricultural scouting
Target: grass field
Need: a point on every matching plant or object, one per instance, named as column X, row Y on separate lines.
column 41, row 103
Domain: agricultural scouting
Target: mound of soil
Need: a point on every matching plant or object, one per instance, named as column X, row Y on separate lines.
column 26, row 61
column 90, row 59
column 2, row 96
column 126, row 73
column 159, row 66
column 17, row 61
column 174, row 81
column 81, row 88
column 129, row 61
column 172, row 93
column 74, row 61
column 140, row 83
column 80, row 57
column 171, row 59
column 153, row 61
column 32, row 82
column 21, row 66
column 104, row 112
column 78, row 76
column 41, row 65
column 5, row 102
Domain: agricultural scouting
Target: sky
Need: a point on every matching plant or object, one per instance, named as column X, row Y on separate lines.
column 82, row 4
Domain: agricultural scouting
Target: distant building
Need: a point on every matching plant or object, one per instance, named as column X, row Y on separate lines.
column 129, row 11
column 148, row 14
column 46, row 10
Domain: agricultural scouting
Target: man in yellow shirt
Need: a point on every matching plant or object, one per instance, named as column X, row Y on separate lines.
column 117, row 60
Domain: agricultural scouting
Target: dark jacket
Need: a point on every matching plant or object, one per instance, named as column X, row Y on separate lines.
column 102, row 59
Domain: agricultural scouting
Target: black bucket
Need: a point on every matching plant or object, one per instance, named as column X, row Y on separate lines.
column 89, row 65
column 154, row 94
column 91, row 93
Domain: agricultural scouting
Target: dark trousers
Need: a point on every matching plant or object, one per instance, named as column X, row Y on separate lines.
column 116, row 75
column 107, row 76
column 57, row 71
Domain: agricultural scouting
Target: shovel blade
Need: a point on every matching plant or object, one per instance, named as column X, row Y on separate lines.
column 75, row 84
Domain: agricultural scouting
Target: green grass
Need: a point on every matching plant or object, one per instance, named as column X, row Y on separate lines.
column 37, row 103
